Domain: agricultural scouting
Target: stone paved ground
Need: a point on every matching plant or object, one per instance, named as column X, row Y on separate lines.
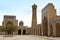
column 27, row 37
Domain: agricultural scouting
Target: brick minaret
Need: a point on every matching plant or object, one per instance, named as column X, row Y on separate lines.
column 34, row 15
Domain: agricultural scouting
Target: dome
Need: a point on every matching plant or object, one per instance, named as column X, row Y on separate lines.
column 21, row 23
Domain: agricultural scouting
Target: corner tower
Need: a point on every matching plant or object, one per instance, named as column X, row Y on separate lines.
column 34, row 15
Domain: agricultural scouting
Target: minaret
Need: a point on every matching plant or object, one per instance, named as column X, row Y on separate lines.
column 34, row 15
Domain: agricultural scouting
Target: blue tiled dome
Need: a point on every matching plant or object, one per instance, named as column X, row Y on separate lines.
column 21, row 23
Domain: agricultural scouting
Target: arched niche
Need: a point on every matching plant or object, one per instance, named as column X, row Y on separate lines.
column 58, row 29
column 51, row 30
column 8, row 27
column 9, row 24
column 45, row 26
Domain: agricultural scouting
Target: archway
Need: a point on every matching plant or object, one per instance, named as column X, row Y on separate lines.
column 45, row 26
column 58, row 29
column 8, row 28
column 9, row 24
column 19, row 32
column 24, row 32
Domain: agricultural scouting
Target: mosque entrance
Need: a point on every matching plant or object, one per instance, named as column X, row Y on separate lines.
column 45, row 26
column 9, row 25
column 19, row 32
column 24, row 32
column 58, row 29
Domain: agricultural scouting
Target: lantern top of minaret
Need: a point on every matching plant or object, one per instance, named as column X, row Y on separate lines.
column 34, row 5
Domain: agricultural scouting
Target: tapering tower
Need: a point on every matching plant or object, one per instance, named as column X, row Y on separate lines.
column 34, row 15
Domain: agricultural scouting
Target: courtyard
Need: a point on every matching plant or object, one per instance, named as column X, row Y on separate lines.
column 28, row 37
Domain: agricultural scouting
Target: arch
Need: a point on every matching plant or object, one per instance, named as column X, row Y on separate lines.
column 57, row 29
column 24, row 32
column 45, row 26
column 9, row 23
column 19, row 32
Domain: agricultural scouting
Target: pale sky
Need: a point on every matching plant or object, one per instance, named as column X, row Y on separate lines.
column 22, row 9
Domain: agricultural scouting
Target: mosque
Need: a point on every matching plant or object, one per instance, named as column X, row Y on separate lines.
column 50, row 25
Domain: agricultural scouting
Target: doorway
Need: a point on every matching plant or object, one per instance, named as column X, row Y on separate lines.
column 19, row 32
column 24, row 32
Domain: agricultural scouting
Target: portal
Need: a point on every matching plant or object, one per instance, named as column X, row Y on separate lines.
column 24, row 32
column 19, row 32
